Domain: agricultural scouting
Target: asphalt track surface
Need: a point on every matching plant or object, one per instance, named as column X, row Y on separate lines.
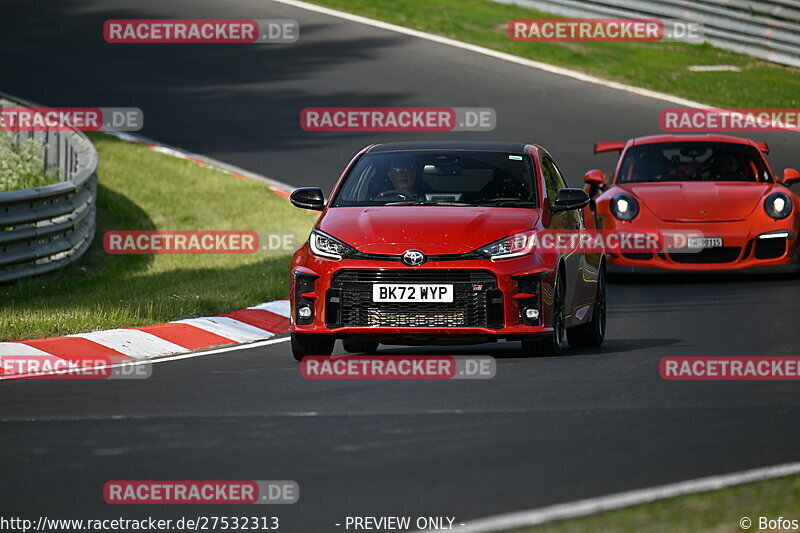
column 543, row 431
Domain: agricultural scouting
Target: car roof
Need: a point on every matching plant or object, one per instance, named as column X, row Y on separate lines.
column 485, row 146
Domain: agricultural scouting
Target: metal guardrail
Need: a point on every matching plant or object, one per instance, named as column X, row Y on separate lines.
column 45, row 228
column 766, row 29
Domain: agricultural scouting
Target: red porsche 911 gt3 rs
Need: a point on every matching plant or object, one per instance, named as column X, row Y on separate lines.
column 430, row 243
column 717, row 186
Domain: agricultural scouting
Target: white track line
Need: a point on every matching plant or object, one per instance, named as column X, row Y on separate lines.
column 133, row 343
column 493, row 53
column 228, row 327
column 212, row 352
column 279, row 307
column 621, row 500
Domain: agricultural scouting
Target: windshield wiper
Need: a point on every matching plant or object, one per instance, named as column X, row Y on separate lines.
column 508, row 202
column 423, row 202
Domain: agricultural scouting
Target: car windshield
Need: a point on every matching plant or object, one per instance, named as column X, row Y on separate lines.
column 450, row 178
column 693, row 161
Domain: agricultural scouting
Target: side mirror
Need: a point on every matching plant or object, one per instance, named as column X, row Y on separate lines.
column 308, row 198
column 595, row 177
column 790, row 175
column 569, row 199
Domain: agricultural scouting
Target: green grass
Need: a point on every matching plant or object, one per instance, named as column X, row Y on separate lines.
column 140, row 189
column 21, row 163
column 711, row 512
column 658, row 66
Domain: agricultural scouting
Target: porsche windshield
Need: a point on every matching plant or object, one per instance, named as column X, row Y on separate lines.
column 693, row 161
column 452, row 178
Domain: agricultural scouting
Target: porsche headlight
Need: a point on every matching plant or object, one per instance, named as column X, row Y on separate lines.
column 508, row 247
column 778, row 205
column 624, row 206
column 324, row 245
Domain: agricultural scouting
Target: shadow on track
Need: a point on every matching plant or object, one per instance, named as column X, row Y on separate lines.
column 511, row 350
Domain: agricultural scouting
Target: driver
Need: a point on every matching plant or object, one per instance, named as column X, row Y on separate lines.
column 403, row 175
column 727, row 167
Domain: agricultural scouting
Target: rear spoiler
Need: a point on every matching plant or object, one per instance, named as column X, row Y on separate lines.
column 764, row 147
column 599, row 148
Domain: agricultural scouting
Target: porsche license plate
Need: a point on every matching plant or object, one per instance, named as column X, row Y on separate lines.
column 427, row 293
column 705, row 242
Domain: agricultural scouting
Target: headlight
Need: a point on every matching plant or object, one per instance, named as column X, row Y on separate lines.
column 513, row 246
column 326, row 246
column 778, row 205
column 624, row 206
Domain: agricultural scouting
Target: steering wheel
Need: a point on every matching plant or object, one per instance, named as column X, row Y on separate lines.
column 390, row 193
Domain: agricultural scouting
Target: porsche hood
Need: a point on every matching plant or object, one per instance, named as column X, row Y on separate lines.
column 700, row 201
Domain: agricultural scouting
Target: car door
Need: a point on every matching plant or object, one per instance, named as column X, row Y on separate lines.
column 569, row 221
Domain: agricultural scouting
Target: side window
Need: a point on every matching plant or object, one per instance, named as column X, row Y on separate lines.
column 555, row 181
column 552, row 178
column 562, row 184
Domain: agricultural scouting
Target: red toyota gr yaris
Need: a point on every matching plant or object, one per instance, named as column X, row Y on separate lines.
column 719, row 186
column 429, row 243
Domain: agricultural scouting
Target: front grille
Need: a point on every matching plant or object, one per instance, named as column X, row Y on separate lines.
column 770, row 248
column 476, row 300
column 723, row 254
column 414, row 316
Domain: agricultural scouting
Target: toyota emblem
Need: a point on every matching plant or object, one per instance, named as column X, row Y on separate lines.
column 413, row 258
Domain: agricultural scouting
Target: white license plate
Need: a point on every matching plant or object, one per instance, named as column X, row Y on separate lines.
column 705, row 242
column 386, row 292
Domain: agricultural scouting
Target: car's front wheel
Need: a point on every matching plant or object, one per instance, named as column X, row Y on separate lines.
column 304, row 344
column 552, row 344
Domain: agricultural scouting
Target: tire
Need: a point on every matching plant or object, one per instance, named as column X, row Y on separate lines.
column 593, row 332
column 554, row 343
column 352, row 345
column 304, row 344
